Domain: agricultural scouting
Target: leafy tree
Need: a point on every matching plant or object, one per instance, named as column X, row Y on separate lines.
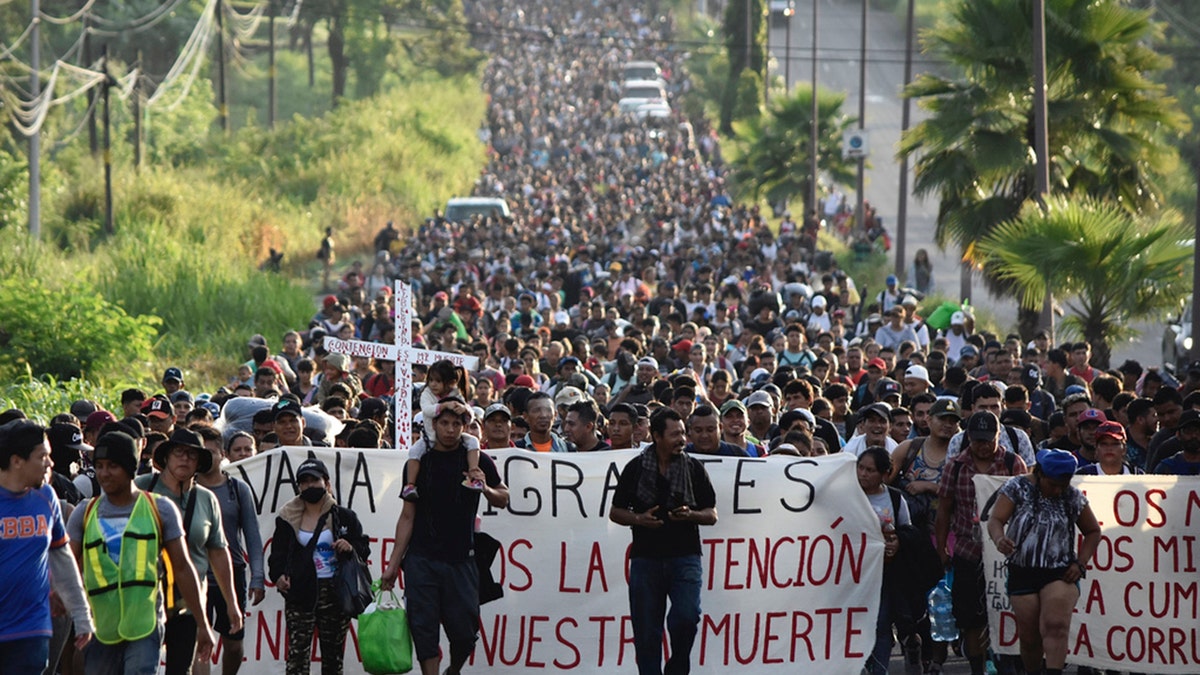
column 776, row 149
column 442, row 42
column 742, row 56
column 1113, row 268
column 1107, row 119
column 83, row 334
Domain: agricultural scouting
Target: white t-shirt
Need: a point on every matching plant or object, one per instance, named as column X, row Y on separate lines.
column 858, row 445
column 324, row 557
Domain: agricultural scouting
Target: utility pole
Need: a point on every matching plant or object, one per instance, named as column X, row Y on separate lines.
column 1195, row 327
column 271, row 65
column 1041, row 132
column 93, row 136
column 859, row 211
column 137, row 115
column 108, row 196
column 787, row 50
column 749, row 50
column 814, row 133
column 222, row 100
column 767, row 69
column 35, row 144
column 905, row 119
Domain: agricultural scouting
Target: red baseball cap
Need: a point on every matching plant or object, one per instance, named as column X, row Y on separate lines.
column 1110, row 430
column 877, row 363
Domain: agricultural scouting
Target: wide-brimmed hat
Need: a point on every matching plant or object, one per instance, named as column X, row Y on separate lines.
column 184, row 438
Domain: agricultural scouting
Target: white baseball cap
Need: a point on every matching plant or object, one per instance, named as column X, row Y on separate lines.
column 916, row 372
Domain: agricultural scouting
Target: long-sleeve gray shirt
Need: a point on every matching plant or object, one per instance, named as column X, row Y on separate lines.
column 66, row 582
column 237, row 515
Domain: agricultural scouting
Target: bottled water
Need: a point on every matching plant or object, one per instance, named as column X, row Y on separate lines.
column 941, row 613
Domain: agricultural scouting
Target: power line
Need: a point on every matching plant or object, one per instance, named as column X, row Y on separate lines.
column 64, row 21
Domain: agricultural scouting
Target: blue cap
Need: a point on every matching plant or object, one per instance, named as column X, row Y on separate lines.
column 892, row 280
column 1057, row 464
column 172, row 374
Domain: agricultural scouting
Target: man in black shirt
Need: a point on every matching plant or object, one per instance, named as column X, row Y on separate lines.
column 664, row 495
column 435, row 539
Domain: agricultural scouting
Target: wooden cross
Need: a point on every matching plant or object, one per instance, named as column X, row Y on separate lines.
column 405, row 356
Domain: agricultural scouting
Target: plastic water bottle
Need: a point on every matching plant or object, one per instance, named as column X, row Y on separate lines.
column 941, row 613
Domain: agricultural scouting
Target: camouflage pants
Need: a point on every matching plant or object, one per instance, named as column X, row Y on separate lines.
column 331, row 626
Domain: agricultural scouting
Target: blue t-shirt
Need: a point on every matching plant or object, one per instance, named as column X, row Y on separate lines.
column 30, row 525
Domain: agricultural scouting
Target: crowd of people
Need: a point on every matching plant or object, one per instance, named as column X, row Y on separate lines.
column 628, row 303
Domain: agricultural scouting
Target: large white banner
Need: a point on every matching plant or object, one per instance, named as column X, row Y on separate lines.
column 1139, row 607
column 792, row 569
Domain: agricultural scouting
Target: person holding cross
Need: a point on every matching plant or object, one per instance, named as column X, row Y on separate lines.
column 443, row 381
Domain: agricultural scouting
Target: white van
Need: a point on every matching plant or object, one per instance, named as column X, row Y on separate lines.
column 635, row 93
column 463, row 209
column 641, row 70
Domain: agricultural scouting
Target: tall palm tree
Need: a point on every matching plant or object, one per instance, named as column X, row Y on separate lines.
column 775, row 150
column 1107, row 119
column 1111, row 267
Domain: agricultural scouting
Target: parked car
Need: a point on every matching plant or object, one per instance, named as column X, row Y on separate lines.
column 1177, row 338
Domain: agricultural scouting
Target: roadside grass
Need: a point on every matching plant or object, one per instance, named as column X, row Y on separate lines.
column 192, row 229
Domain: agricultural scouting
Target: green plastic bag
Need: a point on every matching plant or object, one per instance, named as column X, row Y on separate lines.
column 940, row 317
column 384, row 641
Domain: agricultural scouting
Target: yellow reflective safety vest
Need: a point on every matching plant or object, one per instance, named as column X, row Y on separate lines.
column 124, row 596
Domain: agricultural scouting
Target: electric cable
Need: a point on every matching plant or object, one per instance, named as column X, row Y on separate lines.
column 67, row 20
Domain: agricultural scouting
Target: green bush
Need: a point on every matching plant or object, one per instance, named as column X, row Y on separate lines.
column 68, row 332
column 43, row 398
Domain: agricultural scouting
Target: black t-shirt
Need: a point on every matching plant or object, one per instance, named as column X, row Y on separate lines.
column 444, row 527
column 673, row 538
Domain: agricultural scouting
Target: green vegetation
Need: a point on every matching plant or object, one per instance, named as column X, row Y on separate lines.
column 744, row 31
column 41, row 398
column 1110, row 123
column 774, row 151
column 1111, row 267
column 66, row 332
column 178, row 281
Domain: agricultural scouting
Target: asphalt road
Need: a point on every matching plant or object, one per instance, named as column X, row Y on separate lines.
column 839, row 25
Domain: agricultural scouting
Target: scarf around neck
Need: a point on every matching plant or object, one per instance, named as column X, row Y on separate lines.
column 678, row 477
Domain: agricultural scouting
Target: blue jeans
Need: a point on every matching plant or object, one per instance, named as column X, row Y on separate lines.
column 27, row 656
column 139, row 657
column 893, row 610
column 651, row 582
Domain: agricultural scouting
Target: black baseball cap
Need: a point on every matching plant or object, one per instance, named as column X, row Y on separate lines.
column 371, row 407
column 983, row 426
column 68, row 437
column 286, row 407
column 312, row 467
